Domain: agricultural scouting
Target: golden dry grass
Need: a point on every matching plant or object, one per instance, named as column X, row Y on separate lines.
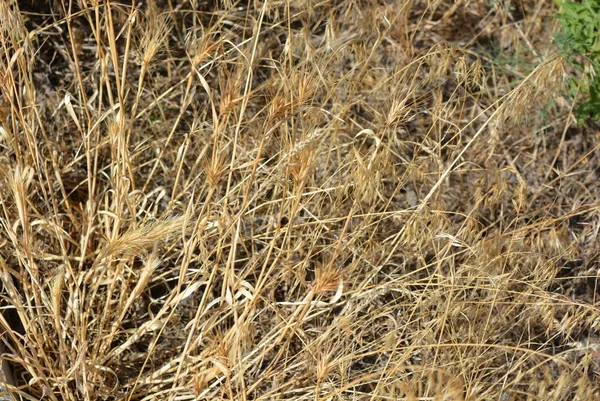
column 301, row 200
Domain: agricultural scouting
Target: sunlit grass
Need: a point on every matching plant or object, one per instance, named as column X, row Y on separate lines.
column 294, row 200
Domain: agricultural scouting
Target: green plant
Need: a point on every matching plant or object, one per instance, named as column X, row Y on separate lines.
column 578, row 40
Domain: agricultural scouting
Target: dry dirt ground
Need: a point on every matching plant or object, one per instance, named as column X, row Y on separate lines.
column 295, row 200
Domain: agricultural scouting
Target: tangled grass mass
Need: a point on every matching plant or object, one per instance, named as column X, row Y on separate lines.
column 295, row 200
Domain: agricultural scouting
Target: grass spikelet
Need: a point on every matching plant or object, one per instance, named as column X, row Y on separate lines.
column 135, row 242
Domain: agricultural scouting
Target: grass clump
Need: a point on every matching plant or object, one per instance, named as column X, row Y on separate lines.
column 260, row 200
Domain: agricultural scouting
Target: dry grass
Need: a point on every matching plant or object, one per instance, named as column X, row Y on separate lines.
column 324, row 200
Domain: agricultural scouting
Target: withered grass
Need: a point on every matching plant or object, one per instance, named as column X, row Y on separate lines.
column 295, row 200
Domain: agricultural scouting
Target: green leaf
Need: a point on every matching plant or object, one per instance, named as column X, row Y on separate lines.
column 579, row 41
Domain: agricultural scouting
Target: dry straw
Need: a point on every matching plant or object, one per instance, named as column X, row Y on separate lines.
column 271, row 200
